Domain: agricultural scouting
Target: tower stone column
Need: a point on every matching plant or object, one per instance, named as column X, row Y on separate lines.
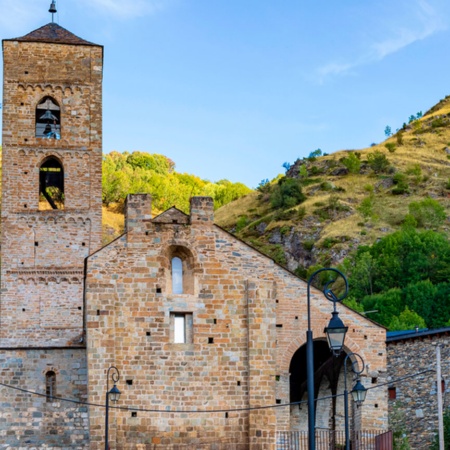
column 50, row 222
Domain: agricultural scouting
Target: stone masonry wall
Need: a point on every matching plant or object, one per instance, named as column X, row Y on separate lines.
column 43, row 252
column 249, row 318
column 415, row 408
column 33, row 421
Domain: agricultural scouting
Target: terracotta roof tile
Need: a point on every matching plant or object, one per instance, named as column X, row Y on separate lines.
column 52, row 33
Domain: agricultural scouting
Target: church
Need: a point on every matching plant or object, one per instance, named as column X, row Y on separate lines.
column 204, row 336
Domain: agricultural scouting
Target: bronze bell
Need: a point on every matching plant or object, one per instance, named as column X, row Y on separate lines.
column 52, row 7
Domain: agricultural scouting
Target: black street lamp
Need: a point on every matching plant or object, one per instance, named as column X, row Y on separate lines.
column 358, row 393
column 114, row 393
column 335, row 335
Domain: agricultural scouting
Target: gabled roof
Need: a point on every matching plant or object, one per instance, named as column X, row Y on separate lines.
column 52, row 33
column 172, row 215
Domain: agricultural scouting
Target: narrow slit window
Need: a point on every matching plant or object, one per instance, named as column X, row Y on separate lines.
column 177, row 275
column 50, row 385
column 48, row 119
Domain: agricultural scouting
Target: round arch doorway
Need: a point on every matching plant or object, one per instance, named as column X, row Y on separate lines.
column 328, row 378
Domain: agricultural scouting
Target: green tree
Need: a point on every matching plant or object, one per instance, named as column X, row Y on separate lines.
column 407, row 320
column 387, row 304
column 362, row 272
column 159, row 163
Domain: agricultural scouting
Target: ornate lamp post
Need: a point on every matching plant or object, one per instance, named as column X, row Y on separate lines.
column 114, row 393
column 358, row 393
column 335, row 334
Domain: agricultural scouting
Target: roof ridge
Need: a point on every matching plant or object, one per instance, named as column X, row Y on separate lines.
column 52, row 33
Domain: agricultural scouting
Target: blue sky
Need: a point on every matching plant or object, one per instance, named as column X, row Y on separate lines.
column 234, row 88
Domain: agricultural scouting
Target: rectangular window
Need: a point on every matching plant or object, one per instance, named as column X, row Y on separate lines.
column 392, row 393
column 181, row 328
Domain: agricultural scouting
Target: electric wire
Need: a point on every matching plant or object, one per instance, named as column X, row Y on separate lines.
column 203, row 411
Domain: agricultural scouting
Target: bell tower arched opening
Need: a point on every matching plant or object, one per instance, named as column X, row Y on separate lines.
column 48, row 119
column 51, row 184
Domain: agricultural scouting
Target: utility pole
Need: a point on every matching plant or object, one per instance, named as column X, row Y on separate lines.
column 439, row 397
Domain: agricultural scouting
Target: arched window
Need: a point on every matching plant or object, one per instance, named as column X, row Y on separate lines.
column 181, row 268
column 50, row 385
column 51, row 184
column 177, row 275
column 48, row 119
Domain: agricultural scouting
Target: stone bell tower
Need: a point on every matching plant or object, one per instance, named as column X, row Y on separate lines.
column 51, row 184
column 50, row 221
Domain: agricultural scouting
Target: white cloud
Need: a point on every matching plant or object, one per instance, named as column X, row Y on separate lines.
column 429, row 23
column 425, row 22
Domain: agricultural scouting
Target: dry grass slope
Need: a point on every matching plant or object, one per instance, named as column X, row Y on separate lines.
column 333, row 222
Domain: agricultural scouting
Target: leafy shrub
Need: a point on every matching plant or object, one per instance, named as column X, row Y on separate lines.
column 303, row 171
column 390, row 146
column 326, row 186
column 301, row 213
column 264, row 185
column 378, row 161
column 429, row 213
column 352, row 162
column 242, row 222
column 435, row 445
column 301, row 272
column 329, row 242
column 284, row 230
column 284, row 214
column 315, row 170
column 399, row 138
column 401, row 182
column 439, row 122
column 287, row 193
column 309, row 244
column 366, row 207
column 315, row 154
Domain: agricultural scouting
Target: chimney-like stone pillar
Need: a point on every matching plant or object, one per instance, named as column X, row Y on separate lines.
column 202, row 211
column 138, row 210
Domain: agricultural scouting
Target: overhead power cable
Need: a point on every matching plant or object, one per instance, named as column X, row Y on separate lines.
column 203, row 411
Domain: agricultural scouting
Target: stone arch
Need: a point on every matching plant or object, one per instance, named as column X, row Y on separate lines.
column 187, row 262
column 51, row 183
column 350, row 346
column 327, row 374
column 50, row 384
column 48, row 118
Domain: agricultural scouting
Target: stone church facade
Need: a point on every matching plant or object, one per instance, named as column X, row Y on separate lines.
column 208, row 334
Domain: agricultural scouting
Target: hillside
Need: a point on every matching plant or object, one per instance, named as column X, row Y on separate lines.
column 326, row 206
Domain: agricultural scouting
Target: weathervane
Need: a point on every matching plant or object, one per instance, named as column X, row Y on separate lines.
column 52, row 9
